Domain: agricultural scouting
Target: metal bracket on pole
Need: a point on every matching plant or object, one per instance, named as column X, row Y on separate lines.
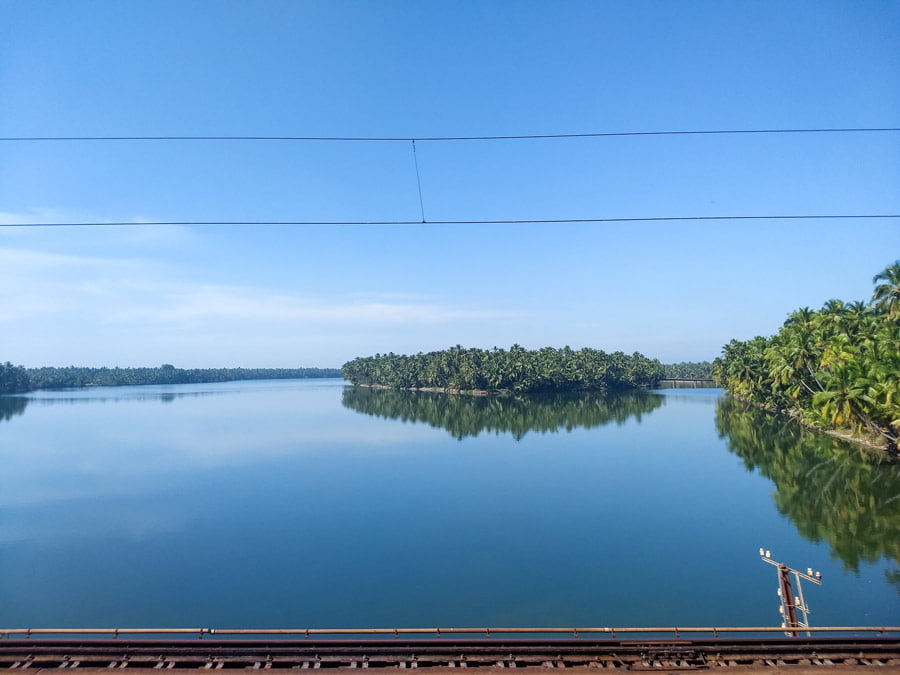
column 792, row 604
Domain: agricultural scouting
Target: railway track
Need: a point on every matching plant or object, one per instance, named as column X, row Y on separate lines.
column 667, row 655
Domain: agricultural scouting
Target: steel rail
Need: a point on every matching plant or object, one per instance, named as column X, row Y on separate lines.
column 645, row 654
column 396, row 632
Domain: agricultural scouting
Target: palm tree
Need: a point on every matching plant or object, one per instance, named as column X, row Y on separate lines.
column 802, row 318
column 887, row 295
column 842, row 403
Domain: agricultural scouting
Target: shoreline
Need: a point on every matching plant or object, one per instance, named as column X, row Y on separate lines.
column 847, row 436
column 441, row 390
column 492, row 392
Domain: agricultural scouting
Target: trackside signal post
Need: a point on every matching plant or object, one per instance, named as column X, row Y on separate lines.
column 792, row 606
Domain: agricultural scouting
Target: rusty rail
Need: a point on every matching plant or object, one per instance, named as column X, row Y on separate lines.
column 437, row 632
column 721, row 654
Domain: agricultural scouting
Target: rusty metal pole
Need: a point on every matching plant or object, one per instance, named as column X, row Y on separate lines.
column 787, row 600
column 790, row 603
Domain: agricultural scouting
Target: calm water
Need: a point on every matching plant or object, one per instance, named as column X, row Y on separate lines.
column 307, row 503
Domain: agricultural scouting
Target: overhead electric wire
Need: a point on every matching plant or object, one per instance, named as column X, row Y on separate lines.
column 510, row 221
column 397, row 139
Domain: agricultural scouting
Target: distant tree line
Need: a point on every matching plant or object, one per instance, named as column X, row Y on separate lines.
column 517, row 369
column 688, row 370
column 835, row 368
column 16, row 379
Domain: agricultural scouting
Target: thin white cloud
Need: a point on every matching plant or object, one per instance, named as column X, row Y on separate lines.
column 133, row 291
column 28, row 218
column 36, row 216
column 38, row 283
column 23, row 261
column 185, row 303
column 136, row 234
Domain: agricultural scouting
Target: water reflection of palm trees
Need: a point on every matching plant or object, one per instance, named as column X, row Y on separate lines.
column 463, row 416
column 10, row 406
column 830, row 490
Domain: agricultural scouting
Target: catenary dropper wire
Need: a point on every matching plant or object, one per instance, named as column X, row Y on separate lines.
column 418, row 181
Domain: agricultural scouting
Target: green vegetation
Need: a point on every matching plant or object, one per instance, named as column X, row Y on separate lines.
column 16, row 379
column 464, row 416
column 830, row 490
column 688, row 370
column 836, row 368
column 519, row 370
column 13, row 379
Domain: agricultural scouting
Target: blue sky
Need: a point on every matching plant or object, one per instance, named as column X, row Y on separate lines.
column 320, row 295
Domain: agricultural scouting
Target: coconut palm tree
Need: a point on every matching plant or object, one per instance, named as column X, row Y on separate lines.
column 887, row 295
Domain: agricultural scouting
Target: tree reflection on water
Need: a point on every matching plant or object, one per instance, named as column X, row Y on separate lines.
column 10, row 406
column 831, row 490
column 463, row 415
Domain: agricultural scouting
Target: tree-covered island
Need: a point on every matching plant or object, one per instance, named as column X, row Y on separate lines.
column 516, row 369
column 837, row 368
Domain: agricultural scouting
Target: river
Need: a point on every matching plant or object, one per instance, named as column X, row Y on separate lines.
column 307, row 503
